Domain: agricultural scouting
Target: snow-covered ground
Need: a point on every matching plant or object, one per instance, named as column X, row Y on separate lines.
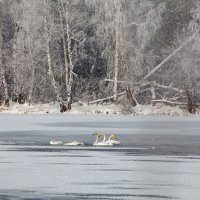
column 53, row 108
column 106, row 109
column 160, row 109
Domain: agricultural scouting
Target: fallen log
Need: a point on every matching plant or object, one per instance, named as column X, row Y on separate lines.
column 169, row 88
column 106, row 99
column 148, row 85
column 166, row 102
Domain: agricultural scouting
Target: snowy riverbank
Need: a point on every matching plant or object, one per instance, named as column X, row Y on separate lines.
column 105, row 109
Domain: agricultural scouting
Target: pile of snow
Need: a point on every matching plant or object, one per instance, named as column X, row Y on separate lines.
column 106, row 109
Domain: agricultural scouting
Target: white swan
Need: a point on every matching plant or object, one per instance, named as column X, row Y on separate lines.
column 103, row 142
column 74, row 143
column 56, row 142
column 97, row 137
column 113, row 139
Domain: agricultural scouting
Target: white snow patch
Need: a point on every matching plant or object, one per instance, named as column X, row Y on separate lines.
column 105, row 109
column 53, row 108
column 159, row 109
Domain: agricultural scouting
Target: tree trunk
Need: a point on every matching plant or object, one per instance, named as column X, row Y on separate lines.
column 15, row 90
column 3, row 79
column 116, row 67
column 63, row 108
column 70, row 67
column 2, row 72
column 153, row 92
column 130, row 97
column 30, row 95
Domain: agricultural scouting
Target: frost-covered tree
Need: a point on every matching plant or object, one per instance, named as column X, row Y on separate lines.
column 3, row 80
column 98, row 50
column 127, row 28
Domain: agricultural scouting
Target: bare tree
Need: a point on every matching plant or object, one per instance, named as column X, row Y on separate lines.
column 2, row 71
column 68, row 53
column 63, row 108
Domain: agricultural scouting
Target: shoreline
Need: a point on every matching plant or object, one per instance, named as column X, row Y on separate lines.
column 103, row 109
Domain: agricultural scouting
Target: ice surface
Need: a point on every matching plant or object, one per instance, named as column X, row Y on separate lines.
column 93, row 174
column 158, row 158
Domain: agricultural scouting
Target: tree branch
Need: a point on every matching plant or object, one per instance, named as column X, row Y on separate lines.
column 168, row 87
column 111, row 80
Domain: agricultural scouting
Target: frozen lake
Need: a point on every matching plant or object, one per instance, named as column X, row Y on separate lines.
column 158, row 158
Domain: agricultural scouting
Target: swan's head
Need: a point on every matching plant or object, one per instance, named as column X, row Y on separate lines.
column 101, row 134
column 113, row 136
column 95, row 133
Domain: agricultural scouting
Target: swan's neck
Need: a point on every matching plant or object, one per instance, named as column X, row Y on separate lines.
column 110, row 138
column 104, row 138
column 97, row 137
